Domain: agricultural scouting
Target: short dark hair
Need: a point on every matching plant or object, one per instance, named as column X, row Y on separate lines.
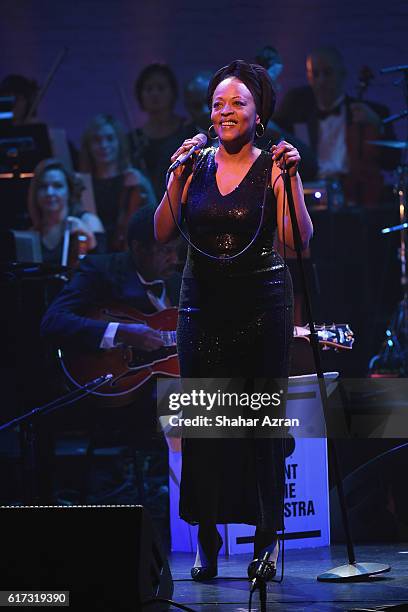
column 141, row 226
column 150, row 70
column 258, row 81
column 19, row 85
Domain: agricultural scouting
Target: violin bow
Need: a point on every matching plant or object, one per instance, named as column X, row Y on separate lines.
column 41, row 92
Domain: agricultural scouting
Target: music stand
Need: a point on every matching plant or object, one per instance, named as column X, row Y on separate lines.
column 22, row 147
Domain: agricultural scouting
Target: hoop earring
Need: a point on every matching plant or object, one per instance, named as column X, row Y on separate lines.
column 210, row 134
column 262, row 130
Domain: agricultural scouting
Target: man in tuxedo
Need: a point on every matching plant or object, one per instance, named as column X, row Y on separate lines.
column 144, row 277
column 338, row 127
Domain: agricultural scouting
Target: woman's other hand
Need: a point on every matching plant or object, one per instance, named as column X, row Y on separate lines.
column 286, row 154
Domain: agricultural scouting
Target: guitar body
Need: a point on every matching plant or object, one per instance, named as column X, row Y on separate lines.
column 130, row 368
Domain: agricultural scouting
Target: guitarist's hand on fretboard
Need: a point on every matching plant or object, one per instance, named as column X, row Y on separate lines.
column 139, row 336
column 153, row 338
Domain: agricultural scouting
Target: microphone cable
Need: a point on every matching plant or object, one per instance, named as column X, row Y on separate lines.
column 285, row 353
column 209, row 255
column 231, row 257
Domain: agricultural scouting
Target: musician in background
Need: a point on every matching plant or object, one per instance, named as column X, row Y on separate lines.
column 145, row 277
column 338, row 128
column 156, row 91
column 54, row 204
column 24, row 91
column 119, row 189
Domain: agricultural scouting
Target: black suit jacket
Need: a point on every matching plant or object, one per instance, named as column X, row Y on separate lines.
column 99, row 279
column 299, row 106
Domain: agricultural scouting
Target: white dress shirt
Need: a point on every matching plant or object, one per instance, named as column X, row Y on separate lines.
column 159, row 302
column 332, row 146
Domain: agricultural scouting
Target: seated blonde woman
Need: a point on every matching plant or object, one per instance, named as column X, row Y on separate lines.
column 119, row 189
column 54, row 204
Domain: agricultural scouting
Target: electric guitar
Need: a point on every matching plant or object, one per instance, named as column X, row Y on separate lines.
column 131, row 367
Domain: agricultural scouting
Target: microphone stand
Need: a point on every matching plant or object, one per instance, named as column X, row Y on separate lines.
column 28, row 438
column 259, row 582
column 352, row 571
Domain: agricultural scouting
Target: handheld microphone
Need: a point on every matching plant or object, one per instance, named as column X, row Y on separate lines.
column 202, row 138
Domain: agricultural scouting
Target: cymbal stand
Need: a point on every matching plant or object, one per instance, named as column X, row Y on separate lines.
column 394, row 354
column 393, row 357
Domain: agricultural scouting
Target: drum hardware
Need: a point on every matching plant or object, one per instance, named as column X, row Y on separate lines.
column 390, row 144
column 393, row 357
column 392, row 360
column 326, row 194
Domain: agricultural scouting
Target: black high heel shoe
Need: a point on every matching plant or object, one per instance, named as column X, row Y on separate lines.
column 206, row 572
column 260, row 548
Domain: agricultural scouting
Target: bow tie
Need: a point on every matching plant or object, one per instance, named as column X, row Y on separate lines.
column 156, row 288
column 323, row 114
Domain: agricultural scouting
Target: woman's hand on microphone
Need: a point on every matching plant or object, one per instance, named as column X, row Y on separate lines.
column 286, row 154
column 185, row 169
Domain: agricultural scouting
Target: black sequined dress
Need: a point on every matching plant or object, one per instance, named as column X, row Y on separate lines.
column 235, row 320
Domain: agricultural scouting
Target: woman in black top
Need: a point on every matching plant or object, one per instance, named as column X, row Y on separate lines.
column 152, row 145
column 119, row 189
column 236, row 316
column 54, row 203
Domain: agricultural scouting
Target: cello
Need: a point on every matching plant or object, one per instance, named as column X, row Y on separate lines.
column 363, row 185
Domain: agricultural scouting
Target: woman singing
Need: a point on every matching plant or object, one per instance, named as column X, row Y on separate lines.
column 235, row 317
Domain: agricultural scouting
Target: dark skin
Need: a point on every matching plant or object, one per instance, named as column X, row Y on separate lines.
column 155, row 261
column 235, row 118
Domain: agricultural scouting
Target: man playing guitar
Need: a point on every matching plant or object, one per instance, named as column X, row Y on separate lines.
column 144, row 279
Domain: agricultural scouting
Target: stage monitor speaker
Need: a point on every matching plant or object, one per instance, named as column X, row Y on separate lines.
column 107, row 557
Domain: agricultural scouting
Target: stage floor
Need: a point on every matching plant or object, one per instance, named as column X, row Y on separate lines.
column 299, row 590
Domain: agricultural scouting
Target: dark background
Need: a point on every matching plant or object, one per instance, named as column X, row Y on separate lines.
column 111, row 41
